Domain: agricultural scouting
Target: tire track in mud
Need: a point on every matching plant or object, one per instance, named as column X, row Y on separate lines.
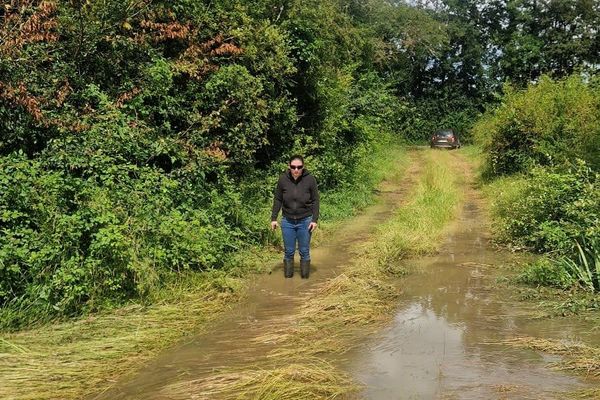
column 250, row 332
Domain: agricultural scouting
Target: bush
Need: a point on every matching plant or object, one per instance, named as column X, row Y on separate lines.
column 70, row 244
column 551, row 123
column 547, row 272
column 549, row 209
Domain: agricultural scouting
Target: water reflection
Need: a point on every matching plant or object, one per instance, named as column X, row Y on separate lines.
column 444, row 340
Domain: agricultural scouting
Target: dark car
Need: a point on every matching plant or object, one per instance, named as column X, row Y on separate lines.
column 446, row 138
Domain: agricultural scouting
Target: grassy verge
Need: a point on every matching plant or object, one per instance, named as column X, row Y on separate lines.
column 539, row 278
column 340, row 311
column 388, row 163
column 473, row 153
column 544, row 282
column 69, row 359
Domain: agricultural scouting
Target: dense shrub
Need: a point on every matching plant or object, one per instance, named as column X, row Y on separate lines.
column 139, row 140
column 547, row 272
column 549, row 209
column 69, row 242
column 551, row 123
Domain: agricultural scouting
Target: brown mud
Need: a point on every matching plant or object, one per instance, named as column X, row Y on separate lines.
column 448, row 336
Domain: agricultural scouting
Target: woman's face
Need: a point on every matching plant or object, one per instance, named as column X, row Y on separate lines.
column 296, row 167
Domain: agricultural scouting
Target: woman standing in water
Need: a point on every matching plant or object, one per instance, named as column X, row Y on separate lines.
column 297, row 194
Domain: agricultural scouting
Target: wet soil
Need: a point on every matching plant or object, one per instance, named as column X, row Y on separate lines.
column 238, row 338
column 445, row 341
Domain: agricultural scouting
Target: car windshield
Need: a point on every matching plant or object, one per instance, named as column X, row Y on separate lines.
column 444, row 133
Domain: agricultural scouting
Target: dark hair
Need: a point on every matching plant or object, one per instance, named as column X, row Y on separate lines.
column 296, row 157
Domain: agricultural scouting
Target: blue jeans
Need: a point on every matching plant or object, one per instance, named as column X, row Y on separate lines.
column 296, row 230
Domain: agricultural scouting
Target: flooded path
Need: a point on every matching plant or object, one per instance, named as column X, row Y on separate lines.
column 445, row 339
column 238, row 339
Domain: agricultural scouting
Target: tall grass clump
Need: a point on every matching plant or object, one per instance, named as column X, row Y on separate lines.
column 586, row 267
column 435, row 203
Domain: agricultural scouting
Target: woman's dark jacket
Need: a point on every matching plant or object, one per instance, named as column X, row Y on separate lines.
column 299, row 199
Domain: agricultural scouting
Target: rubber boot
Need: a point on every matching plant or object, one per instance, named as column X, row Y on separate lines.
column 304, row 268
column 288, row 268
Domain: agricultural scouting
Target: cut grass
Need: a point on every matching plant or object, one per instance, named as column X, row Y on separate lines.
column 316, row 379
column 69, row 360
column 577, row 357
column 337, row 314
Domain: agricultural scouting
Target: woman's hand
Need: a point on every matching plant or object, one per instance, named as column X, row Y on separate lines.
column 273, row 225
column 312, row 226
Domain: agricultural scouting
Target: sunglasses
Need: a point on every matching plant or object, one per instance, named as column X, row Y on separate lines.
column 296, row 166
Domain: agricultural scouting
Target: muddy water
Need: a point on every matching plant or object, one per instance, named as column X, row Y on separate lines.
column 238, row 339
column 444, row 342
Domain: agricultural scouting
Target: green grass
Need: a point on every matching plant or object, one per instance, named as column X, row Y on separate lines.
column 341, row 311
column 69, row 359
column 500, row 194
column 472, row 152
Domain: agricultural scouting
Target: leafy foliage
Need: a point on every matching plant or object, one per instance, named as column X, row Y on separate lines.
column 586, row 269
column 547, row 272
column 141, row 139
column 552, row 123
column 550, row 209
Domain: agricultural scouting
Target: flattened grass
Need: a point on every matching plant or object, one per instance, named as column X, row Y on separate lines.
column 578, row 357
column 69, row 359
column 339, row 312
column 316, row 379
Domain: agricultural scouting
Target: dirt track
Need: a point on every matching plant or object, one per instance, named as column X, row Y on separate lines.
column 445, row 341
column 243, row 333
